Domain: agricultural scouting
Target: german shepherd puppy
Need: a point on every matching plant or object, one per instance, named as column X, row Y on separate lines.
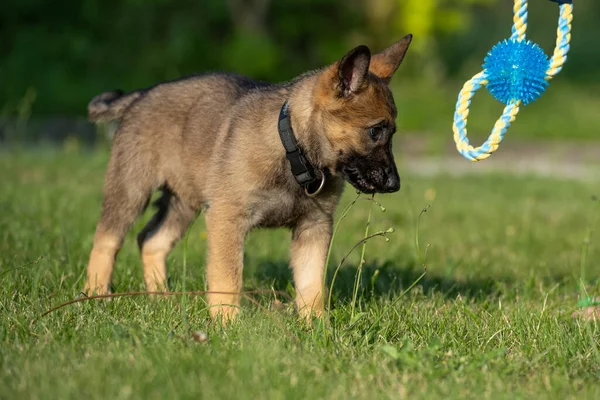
column 211, row 142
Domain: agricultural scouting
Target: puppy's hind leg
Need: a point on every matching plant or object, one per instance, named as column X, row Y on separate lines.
column 127, row 191
column 160, row 235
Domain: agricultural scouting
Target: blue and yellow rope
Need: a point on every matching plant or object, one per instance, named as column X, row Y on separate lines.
column 519, row 29
column 511, row 110
column 563, row 40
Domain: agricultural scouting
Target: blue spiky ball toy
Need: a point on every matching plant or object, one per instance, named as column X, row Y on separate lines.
column 516, row 70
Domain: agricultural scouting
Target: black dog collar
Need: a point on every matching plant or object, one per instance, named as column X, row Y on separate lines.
column 302, row 169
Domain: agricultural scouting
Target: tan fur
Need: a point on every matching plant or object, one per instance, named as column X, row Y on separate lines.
column 308, row 253
column 102, row 259
column 385, row 64
column 211, row 142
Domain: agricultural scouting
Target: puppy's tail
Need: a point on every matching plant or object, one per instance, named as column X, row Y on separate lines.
column 110, row 106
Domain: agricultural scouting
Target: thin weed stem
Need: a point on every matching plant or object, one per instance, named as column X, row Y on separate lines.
column 362, row 241
column 421, row 255
column 584, row 250
column 34, row 262
column 335, row 229
column 585, row 298
column 422, row 259
column 358, row 277
column 398, row 299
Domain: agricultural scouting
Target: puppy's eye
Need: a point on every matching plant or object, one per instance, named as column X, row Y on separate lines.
column 375, row 132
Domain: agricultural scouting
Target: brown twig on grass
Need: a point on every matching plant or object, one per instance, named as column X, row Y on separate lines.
column 144, row 293
column 246, row 295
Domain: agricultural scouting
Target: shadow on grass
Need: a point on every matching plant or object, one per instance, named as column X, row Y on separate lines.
column 387, row 279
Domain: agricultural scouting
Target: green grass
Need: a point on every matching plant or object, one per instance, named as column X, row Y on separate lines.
column 490, row 319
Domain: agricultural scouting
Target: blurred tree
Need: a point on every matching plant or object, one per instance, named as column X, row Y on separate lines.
column 251, row 39
column 65, row 52
column 427, row 20
column 69, row 51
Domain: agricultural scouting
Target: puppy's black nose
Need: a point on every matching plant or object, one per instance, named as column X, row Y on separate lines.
column 392, row 184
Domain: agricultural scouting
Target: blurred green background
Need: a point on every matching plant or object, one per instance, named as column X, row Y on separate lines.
column 55, row 56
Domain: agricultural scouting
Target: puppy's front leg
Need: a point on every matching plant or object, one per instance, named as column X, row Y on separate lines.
column 310, row 242
column 226, row 231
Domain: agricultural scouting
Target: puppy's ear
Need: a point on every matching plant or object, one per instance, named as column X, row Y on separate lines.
column 385, row 63
column 352, row 70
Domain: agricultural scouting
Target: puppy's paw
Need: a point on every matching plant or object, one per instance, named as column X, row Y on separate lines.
column 224, row 314
column 95, row 290
column 309, row 315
